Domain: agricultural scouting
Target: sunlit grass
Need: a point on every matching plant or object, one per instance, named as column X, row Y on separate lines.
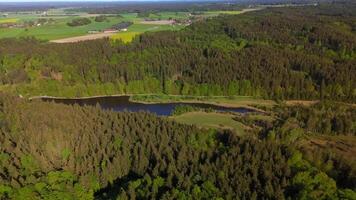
column 8, row 20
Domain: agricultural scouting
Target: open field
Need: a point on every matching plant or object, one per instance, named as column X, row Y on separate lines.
column 8, row 20
column 211, row 120
column 58, row 29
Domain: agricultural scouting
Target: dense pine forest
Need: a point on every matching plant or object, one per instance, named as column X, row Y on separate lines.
column 56, row 151
column 276, row 53
column 290, row 151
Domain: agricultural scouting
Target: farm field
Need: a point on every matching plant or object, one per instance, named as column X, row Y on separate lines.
column 83, row 38
column 8, row 20
column 57, row 28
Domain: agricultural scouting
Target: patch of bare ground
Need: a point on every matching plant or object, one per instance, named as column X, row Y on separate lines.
column 83, row 38
column 300, row 102
column 158, row 22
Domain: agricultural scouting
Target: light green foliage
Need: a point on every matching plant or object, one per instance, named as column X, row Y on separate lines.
column 3, row 158
column 314, row 185
column 24, row 193
column 28, row 165
column 347, row 194
column 117, row 142
column 65, row 154
column 5, row 191
column 202, row 141
column 157, row 183
column 297, row 162
column 57, row 178
column 57, row 185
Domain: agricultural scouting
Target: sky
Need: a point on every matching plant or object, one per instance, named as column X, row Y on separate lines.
column 87, row 0
column 62, row 0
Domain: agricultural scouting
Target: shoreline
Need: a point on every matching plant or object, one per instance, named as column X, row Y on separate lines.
column 77, row 98
column 192, row 101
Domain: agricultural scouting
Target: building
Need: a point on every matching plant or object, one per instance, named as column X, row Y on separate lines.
column 110, row 31
column 93, row 31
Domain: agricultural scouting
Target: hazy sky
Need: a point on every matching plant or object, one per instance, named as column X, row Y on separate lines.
column 79, row 0
column 86, row 0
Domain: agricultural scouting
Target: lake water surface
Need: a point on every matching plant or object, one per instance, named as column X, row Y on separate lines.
column 122, row 103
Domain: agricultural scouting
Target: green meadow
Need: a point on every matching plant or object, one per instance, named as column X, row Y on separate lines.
column 59, row 29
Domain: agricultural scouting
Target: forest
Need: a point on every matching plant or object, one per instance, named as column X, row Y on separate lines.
column 56, row 151
column 290, row 150
column 276, row 53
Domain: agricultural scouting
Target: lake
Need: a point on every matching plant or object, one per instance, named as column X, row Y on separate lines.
column 123, row 103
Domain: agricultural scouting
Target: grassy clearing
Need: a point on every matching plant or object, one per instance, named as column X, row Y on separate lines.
column 8, row 20
column 58, row 30
column 211, row 120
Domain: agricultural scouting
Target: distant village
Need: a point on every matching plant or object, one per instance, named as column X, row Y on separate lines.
column 26, row 24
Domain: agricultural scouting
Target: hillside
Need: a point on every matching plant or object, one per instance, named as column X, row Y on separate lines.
column 55, row 151
column 291, row 69
column 280, row 53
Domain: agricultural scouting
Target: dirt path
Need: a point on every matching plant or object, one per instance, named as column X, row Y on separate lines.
column 83, row 38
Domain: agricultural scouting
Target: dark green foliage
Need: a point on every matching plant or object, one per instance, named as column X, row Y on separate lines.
column 328, row 118
column 143, row 14
column 122, row 25
column 79, row 22
column 324, row 132
column 100, row 18
column 55, row 149
column 181, row 109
